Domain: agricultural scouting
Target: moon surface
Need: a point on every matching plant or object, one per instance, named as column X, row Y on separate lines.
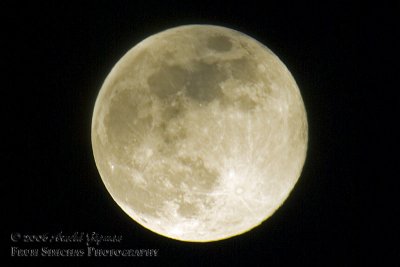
column 199, row 133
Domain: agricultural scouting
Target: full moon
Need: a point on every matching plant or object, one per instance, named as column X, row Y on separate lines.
column 199, row 133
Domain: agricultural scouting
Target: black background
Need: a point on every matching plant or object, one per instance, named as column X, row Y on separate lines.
column 58, row 56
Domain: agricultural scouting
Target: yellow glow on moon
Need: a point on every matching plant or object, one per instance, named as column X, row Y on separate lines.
column 199, row 133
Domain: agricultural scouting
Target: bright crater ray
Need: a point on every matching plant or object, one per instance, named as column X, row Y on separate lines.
column 199, row 133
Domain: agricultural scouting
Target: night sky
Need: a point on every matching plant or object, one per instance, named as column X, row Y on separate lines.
column 58, row 56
